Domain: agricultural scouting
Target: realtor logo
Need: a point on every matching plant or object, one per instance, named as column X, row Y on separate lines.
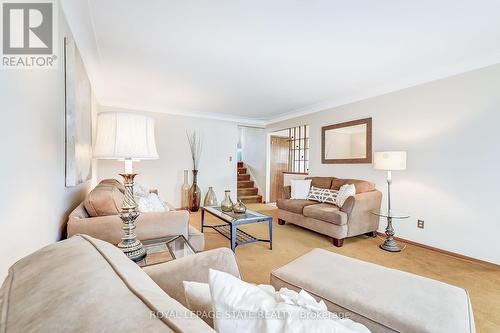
column 28, row 34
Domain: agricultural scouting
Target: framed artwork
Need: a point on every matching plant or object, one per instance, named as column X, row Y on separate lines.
column 78, row 117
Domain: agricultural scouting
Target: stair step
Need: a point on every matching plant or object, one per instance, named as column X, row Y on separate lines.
column 245, row 183
column 243, row 177
column 250, row 198
column 240, row 164
column 248, row 191
column 242, row 171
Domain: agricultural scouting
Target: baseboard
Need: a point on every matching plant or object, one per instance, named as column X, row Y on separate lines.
column 448, row 253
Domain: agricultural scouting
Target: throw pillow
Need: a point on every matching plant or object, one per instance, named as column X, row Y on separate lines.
column 322, row 195
column 243, row 307
column 139, row 190
column 199, row 301
column 150, row 203
column 104, row 200
column 345, row 192
column 300, row 188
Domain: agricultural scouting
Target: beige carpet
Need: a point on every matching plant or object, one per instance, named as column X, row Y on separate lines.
column 289, row 242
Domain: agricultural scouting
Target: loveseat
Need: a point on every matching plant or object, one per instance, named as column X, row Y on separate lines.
column 97, row 216
column 352, row 219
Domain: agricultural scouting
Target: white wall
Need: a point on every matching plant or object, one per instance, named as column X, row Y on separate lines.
column 450, row 130
column 253, row 154
column 33, row 198
column 220, row 139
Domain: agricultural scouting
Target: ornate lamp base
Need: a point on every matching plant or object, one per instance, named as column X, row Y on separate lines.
column 389, row 243
column 134, row 251
column 130, row 245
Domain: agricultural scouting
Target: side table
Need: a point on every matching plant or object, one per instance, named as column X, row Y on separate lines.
column 163, row 249
column 389, row 243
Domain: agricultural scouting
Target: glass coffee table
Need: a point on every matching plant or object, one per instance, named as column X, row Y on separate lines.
column 160, row 250
column 229, row 228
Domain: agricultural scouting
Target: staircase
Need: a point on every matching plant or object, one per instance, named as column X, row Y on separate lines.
column 247, row 193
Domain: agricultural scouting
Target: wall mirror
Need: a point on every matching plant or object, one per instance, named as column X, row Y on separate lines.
column 349, row 142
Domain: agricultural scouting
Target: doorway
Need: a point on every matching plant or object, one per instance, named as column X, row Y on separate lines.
column 279, row 165
column 287, row 158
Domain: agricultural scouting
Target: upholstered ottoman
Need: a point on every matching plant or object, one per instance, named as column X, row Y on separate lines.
column 383, row 299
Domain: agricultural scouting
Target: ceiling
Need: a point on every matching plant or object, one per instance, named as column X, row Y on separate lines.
column 262, row 61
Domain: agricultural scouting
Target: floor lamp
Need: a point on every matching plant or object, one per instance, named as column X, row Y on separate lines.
column 126, row 137
column 390, row 161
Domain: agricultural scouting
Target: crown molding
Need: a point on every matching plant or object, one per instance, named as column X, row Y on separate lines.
column 177, row 112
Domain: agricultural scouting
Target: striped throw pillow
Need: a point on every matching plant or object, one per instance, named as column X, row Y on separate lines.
column 322, row 195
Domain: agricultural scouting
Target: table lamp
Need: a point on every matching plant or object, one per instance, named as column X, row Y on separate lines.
column 126, row 137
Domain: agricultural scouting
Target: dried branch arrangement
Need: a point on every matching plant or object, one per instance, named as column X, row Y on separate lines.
column 195, row 145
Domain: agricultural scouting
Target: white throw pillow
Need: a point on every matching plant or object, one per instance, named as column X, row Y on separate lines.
column 199, row 301
column 345, row 191
column 300, row 188
column 150, row 203
column 244, row 307
column 139, row 190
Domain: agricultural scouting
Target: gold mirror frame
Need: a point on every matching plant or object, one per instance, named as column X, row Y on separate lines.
column 367, row 159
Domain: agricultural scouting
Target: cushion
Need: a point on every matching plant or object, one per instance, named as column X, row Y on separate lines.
column 345, row 192
column 361, row 185
column 322, row 195
column 300, row 188
column 113, row 182
column 326, row 212
column 294, row 205
column 150, row 203
column 105, row 199
column 87, row 285
column 244, row 307
column 323, row 182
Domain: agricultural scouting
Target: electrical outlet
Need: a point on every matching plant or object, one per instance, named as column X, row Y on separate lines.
column 420, row 224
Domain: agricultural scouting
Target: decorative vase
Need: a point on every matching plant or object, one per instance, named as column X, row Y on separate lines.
column 185, row 192
column 239, row 208
column 227, row 204
column 194, row 194
column 210, row 198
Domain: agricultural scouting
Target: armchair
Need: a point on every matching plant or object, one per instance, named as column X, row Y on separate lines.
column 108, row 226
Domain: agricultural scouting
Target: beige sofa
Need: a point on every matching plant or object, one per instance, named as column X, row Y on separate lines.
column 352, row 219
column 98, row 217
column 84, row 284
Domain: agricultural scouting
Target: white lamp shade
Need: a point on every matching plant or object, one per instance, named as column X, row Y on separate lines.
column 124, row 135
column 389, row 160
